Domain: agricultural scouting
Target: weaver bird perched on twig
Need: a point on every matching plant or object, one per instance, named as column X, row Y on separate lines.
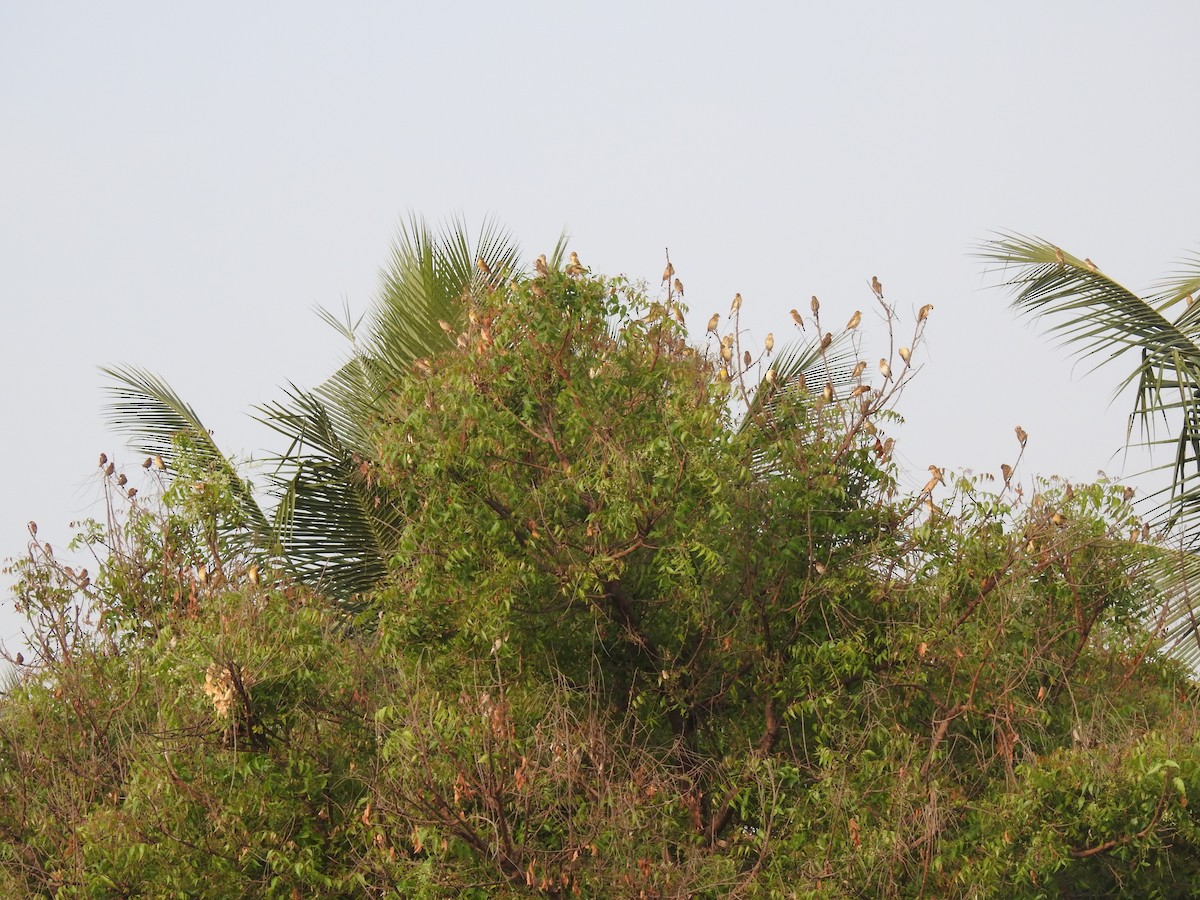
column 885, row 369
column 668, row 272
column 769, row 343
column 877, row 287
column 712, row 323
column 1021, row 436
column 924, row 313
column 679, row 287
column 854, row 320
column 541, row 266
column 798, row 319
column 736, row 304
column 575, row 267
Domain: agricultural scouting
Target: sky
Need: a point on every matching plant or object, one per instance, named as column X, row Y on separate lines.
column 181, row 187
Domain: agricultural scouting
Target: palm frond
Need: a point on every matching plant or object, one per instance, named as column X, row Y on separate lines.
column 154, row 417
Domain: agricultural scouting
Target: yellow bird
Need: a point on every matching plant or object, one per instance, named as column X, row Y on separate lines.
column 769, row 343
column 828, row 392
column 770, row 375
column 727, row 352
column 679, row 287
column 924, row 313
column 937, row 473
column 712, row 323
column 1006, row 470
column 576, row 267
column 736, row 304
column 668, row 272
column 541, row 266
column 1021, row 435
column 797, row 318
column 727, row 341
column 905, row 354
column 854, row 320
column 723, row 374
column 815, row 304
column 482, row 266
column 252, row 574
column 1058, row 256
column 885, row 369
column 202, row 573
column 877, row 287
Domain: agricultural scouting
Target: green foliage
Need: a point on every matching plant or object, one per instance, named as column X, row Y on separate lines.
column 640, row 635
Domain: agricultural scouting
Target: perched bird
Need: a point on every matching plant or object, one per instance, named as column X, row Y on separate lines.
column 859, row 391
column 798, row 319
column 103, row 458
column 723, row 374
column 736, row 304
column 668, row 272
column 576, row 267
column 20, row 657
column 905, row 354
column 158, row 462
column 854, row 320
column 727, row 352
column 202, row 573
column 1006, row 470
column 33, row 527
column 1021, row 435
column 109, row 469
column 1091, row 265
column 859, row 368
column 769, row 343
column 679, row 287
column 445, row 326
column 877, row 287
column 770, row 376
column 252, row 574
column 482, row 266
column 121, row 479
column 746, row 359
column 924, row 312
column 937, row 473
column 712, row 323
column 131, row 493
column 677, row 313
column 815, row 304
column 885, row 369
column 541, row 267
column 148, row 463
column 828, row 392
column 1058, row 256
column 826, row 341
column 1059, row 519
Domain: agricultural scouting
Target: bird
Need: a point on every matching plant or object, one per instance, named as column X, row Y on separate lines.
column 668, row 272
column 202, row 573
column 854, row 320
column 148, row 463
column 859, row 391
column 885, row 369
column 770, row 376
column 482, row 266
column 109, row 469
column 576, row 267
column 924, row 312
column 20, row 657
column 815, row 304
column 826, row 341
column 679, row 287
column 158, row 462
column 727, row 341
column 33, row 527
column 723, row 374
column 746, row 358
column 798, row 319
column 121, row 480
column 1058, row 256
column 736, row 304
column 712, row 323
column 677, row 313
column 828, row 392
column 1091, row 265
column 103, row 458
column 769, row 343
column 877, row 287
column 859, row 368
column 252, row 574
column 727, row 352
column 1021, row 435
column 905, row 354
column 541, row 267
column 937, row 473
column 131, row 493
column 1006, row 470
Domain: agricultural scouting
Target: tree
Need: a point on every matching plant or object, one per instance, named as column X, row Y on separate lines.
column 1160, row 334
column 638, row 636
column 329, row 524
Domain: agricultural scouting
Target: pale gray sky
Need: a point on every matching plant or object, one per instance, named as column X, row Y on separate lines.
column 179, row 187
